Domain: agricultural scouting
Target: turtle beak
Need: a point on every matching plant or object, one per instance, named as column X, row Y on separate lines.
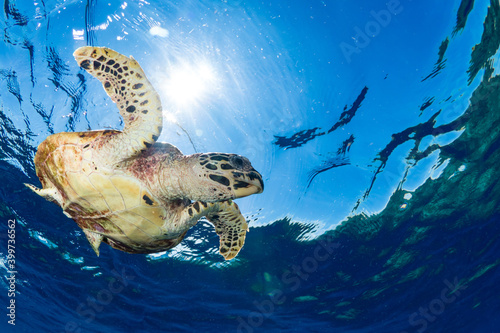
column 248, row 183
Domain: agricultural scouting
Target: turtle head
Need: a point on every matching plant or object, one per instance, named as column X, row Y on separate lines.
column 225, row 176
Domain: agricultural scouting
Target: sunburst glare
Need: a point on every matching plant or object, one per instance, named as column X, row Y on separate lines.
column 190, row 83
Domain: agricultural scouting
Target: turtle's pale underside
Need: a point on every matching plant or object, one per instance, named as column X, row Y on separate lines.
column 128, row 190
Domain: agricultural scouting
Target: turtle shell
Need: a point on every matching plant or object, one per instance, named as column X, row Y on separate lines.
column 104, row 200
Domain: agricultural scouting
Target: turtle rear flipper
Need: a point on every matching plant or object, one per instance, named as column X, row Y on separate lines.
column 231, row 227
column 139, row 104
column 49, row 193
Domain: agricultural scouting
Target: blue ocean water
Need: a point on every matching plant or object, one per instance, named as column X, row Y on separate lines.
column 375, row 125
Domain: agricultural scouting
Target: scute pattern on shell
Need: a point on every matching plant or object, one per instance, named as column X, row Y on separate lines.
column 124, row 188
column 99, row 198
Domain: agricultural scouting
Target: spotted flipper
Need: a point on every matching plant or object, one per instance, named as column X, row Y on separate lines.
column 231, row 227
column 139, row 104
column 226, row 217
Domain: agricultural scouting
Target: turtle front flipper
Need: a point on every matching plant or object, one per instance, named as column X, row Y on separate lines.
column 226, row 217
column 231, row 227
column 139, row 104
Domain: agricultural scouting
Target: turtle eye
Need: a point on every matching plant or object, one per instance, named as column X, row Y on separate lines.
column 237, row 161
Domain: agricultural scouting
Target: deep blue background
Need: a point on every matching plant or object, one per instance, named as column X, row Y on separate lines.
column 345, row 107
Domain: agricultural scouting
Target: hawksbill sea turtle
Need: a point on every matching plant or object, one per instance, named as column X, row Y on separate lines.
column 128, row 190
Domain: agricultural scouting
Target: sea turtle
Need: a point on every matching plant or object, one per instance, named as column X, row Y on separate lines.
column 128, row 190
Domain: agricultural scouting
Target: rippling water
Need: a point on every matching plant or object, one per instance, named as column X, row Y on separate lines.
column 375, row 125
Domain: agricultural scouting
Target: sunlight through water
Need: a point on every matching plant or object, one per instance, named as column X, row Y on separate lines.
column 374, row 125
column 188, row 84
